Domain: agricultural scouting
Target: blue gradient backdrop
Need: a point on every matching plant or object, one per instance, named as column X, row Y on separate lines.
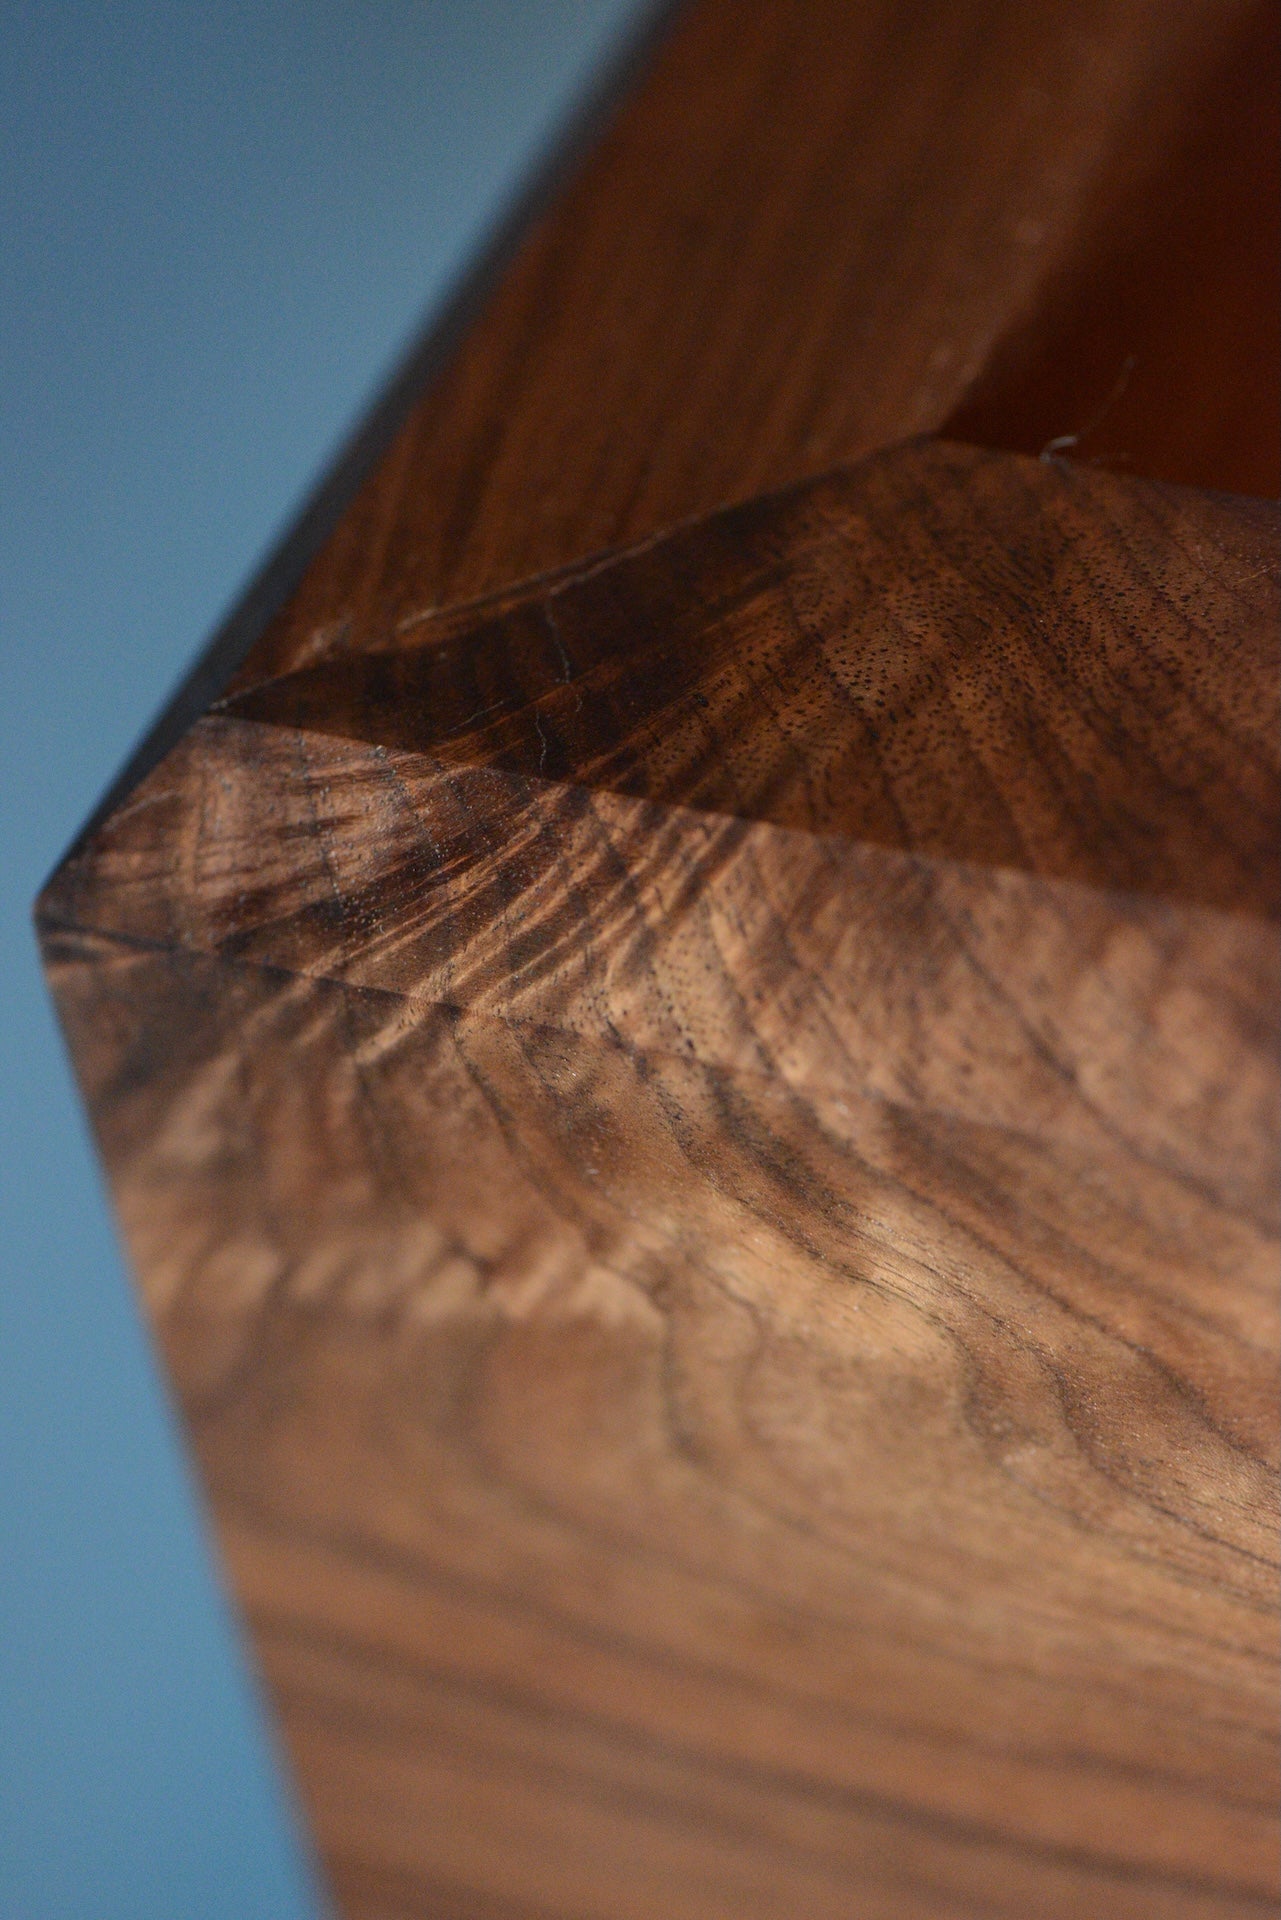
column 220, row 225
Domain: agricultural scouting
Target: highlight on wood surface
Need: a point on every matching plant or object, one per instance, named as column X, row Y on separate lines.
column 686, row 1044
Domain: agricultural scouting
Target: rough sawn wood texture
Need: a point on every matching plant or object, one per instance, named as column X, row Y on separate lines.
column 698, row 1122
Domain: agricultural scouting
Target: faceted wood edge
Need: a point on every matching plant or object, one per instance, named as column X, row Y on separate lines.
column 811, row 232
column 994, row 216
column 265, row 601
column 724, row 1294
column 951, row 652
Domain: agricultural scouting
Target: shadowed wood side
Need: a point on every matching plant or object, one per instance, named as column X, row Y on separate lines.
column 992, row 659
column 729, row 1324
column 1156, row 346
column 688, row 1054
column 807, row 235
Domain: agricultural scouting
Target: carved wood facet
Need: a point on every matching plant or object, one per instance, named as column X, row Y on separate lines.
column 688, row 1053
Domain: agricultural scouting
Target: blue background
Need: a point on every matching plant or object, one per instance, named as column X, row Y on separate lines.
column 220, row 225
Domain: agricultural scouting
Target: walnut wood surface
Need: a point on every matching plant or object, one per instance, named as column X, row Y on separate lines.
column 940, row 650
column 724, row 1293
column 697, row 1122
column 813, row 231
column 1159, row 337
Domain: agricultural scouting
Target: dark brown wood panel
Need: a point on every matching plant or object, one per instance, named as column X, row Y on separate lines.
column 655, row 1491
column 805, row 236
column 1156, row 346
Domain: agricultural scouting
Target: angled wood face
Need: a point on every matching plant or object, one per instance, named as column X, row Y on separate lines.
column 1155, row 346
column 947, row 652
column 698, row 1124
column 725, row 1298
column 813, row 231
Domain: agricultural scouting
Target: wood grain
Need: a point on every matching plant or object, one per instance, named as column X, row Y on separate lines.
column 1156, row 346
column 688, row 1053
column 809, row 234
column 730, row 1326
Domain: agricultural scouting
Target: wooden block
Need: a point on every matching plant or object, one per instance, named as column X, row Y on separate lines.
column 688, row 1052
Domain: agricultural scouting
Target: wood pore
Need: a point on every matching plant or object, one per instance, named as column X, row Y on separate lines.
column 687, row 1052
